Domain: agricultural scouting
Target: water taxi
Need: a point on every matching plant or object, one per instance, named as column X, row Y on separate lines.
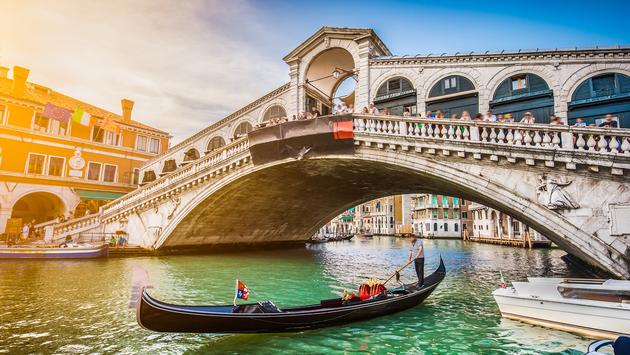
column 590, row 307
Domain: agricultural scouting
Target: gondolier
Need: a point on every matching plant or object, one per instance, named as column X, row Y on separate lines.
column 416, row 253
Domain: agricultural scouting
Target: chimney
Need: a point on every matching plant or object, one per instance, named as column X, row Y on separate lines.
column 127, row 106
column 19, row 80
column 3, row 72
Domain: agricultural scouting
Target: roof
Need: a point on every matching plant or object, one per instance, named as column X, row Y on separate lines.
column 336, row 32
column 505, row 52
column 42, row 95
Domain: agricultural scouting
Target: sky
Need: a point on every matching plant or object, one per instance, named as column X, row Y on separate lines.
column 187, row 64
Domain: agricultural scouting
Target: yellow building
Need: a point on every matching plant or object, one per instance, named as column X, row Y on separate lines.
column 61, row 156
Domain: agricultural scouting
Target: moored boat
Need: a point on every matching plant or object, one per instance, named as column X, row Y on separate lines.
column 265, row 317
column 43, row 252
column 591, row 307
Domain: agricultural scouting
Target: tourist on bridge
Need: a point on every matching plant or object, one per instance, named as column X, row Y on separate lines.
column 416, row 253
column 579, row 122
column 490, row 117
column 609, row 122
column 465, row 116
column 528, row 118
column 374, row 110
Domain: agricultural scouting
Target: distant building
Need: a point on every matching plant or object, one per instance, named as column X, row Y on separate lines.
column 438, row 216
column 490, row 223
column 377, row 216
column 59, row 155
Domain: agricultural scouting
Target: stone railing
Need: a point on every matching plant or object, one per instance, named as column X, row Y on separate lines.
column 594, row 140
column 163, row 183
column 158, row 186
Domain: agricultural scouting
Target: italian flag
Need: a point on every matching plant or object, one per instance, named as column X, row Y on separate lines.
column 501, row 279
column 81, row 117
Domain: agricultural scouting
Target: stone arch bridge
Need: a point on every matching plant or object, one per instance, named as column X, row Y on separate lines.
column 569, row 183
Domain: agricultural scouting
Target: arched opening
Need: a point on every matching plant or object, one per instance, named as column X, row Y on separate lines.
column 39, row 207
column 323, row 76
column 344, row 97
column 147, row 177
column 215, row 143
column 396, row 95
column 242, row 129
column 169, row 165
column 452, row 96
column 191, row 154
column 603, row 94
column 274, row 113
column 523, row 93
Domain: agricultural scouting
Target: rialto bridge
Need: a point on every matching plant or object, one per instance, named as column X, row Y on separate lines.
column 570, row 183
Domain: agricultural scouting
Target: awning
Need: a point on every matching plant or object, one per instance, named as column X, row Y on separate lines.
column 98, row 195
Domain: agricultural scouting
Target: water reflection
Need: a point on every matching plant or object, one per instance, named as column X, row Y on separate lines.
column 80, row 306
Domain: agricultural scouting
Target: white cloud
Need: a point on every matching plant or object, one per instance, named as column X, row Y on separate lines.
column 185, row 64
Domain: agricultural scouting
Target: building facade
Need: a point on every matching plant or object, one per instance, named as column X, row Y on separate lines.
column 62, row 156
column 377, row 216
column 489, row 223
column 438, row 216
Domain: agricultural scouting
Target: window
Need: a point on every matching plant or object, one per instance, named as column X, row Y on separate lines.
column 141, row 143
column 445, row 214
column 242, row 129
column 456, row 214
column 427, row 227
column 41, row 123
column 136, row 176
column 456, row 227
column 465, row 215
column 434, row 199
column 455, row 201
column 434, row 213
column 36, row 163
column 604, row 85
column 111, row 138
column 519, row 83
column 435, row 227
column 109, row 173
column 94, row 171
column 274, row 112
column 2, row 111
column 154, row 147
column 444, row 201
column 215, row 143
column 450, row 83
column 98, row 134
column 55, row 166
column 446, row 227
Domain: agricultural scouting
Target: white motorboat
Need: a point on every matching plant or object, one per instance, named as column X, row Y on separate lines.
column 590, row 307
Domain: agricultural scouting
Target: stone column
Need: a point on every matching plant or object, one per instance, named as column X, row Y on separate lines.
column 5, row 214
column 362, row 90
column 497, row 223
column 294, row 102
column 510, row 227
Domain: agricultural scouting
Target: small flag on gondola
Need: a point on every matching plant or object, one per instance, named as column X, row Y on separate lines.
column 242, row 291
column 501, row 279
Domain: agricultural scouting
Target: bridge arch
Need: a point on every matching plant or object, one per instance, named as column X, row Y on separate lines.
column 453, row 94
column 38, row 205
column 523, row 92
column 323, row 70
column 215, row 142
column 216, row 214
column 398, row 94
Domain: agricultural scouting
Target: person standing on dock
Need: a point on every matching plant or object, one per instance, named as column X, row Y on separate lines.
column 416, row 253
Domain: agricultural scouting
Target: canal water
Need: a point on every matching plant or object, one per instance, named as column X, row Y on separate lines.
column 80, row 307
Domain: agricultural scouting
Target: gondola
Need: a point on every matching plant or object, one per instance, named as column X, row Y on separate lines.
column 265, row 317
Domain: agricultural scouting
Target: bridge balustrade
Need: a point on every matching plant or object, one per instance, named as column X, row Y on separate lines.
column 541, row 136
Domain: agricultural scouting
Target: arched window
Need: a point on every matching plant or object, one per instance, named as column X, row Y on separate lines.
column 242, row 129
column 455, row 103
column 397, row 95
column 523, row 93
column 191, row 154
column 445, row 227
column 435, row 227
column 215, row 143
column 600, row 95
column 456, row 227
column 274, row 112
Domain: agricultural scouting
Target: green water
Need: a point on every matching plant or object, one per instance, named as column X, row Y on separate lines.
column 80, row 307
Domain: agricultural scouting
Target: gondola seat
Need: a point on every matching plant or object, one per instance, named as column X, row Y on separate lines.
column 260, row 307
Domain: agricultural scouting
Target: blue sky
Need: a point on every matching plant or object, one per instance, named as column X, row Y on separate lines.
column 187, row 64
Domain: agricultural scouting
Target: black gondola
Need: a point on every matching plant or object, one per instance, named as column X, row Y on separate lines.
column 265, row 317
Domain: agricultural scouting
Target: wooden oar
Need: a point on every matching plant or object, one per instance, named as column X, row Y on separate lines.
column 397, row 271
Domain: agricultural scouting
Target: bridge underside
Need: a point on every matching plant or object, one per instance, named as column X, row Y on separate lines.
column 289, row 202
